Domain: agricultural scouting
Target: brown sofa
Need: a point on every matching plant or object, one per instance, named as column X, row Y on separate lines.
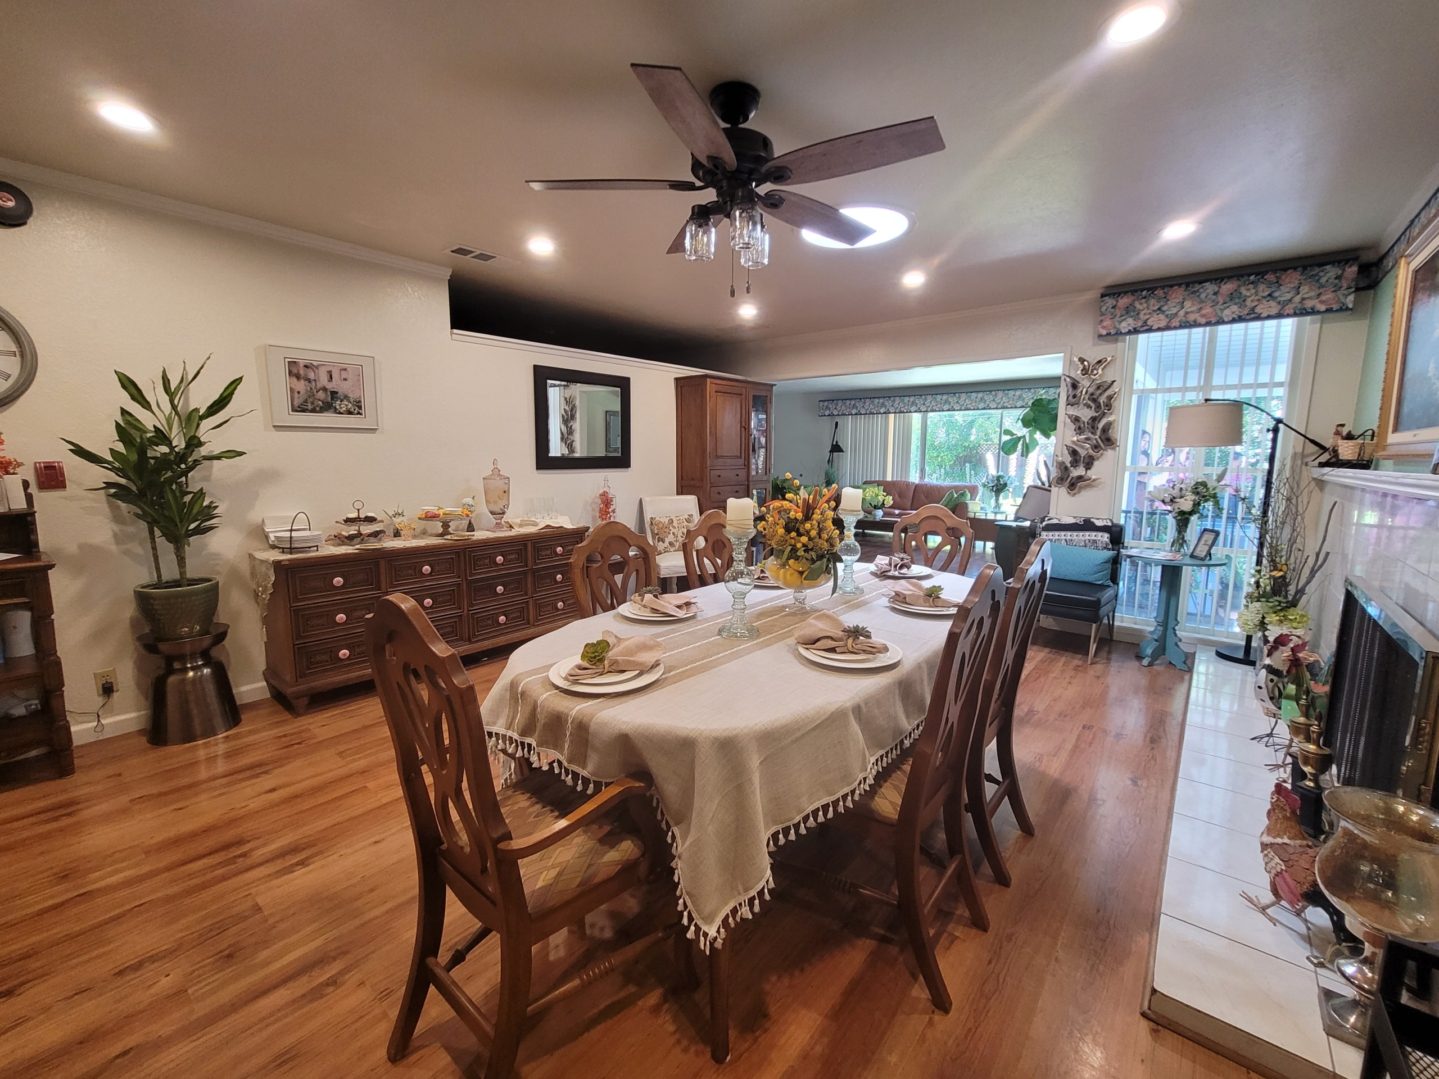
column 909, row 496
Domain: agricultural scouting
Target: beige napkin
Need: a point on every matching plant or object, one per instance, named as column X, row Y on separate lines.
column 675, row 606
column 824, row 632
column 912, row 595
column 885, row 565
column 625, row 654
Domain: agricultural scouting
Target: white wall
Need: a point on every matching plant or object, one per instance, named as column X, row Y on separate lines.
column 101, row 285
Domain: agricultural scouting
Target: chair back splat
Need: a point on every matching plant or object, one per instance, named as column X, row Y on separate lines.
column 934, row 536
column 611, row 565
column 709, row 553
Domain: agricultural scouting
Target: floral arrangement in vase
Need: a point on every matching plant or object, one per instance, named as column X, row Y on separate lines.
column 605, row 503
column 1186, row 500
column 801, row 539
column 874, row 498
column 997, row 484
column 1290, row 563
column 9, row 466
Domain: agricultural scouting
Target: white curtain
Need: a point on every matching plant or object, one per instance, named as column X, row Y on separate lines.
column 866, row 448
column 901, row 466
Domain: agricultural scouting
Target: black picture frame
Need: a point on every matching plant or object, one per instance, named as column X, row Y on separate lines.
column 1204, row 543
column 546, row 461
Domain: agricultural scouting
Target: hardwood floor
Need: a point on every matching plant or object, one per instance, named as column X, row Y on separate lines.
column 245, row 907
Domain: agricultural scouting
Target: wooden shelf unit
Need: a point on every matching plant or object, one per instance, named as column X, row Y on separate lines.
column 724, row 438
column 38, row 744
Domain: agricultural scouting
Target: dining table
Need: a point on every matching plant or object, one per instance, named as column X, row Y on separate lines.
column 748, row 743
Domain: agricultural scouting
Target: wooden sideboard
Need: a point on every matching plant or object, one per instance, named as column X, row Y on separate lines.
column 480, row 593
column 724, row 432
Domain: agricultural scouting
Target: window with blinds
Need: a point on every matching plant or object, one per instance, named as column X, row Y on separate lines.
column 1251, row 361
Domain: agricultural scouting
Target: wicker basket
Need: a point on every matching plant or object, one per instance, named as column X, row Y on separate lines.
column 1354, row 449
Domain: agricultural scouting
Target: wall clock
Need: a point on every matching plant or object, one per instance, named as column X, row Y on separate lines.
column 17, row 358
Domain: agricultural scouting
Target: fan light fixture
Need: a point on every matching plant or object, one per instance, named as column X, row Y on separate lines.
column 700, row 238
column 887, row 225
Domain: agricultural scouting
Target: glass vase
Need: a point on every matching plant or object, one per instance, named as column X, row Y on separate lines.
column 1179, row 535
column 739, row 582
column 849, row 553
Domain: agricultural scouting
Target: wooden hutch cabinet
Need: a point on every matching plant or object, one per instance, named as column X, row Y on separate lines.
column 723, row 439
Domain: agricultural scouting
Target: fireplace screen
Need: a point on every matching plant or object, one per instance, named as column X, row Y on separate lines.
column 1385, row 699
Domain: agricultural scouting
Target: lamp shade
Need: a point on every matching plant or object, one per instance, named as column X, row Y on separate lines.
column 1214, row 423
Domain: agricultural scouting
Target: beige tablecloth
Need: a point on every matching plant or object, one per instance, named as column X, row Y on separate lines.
column 747, row 742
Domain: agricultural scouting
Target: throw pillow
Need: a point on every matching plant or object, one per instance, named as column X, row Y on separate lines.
column 952, row 499
column 669, row 532
column 1083, row 564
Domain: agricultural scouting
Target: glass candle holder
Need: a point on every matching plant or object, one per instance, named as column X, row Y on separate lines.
column 849, row 553
column 739, row 583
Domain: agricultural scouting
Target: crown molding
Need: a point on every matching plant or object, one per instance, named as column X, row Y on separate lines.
column 204, row 215
column 583, row 355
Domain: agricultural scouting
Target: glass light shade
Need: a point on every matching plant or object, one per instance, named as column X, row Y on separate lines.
column 700, row 239
column 757, row 256
column 1214, row 423
column 746, row 226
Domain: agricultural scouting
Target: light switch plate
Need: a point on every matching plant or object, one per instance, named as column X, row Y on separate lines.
column 50, row 475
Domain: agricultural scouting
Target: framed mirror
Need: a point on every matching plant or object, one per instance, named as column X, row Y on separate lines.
column 582, row 419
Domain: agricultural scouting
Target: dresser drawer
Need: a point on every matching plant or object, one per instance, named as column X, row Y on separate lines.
column 313, row 659
column 448, row 626
column 498, row 621
column 553, row 578
column 341, row 580
column 726, row 477
column 419, row 568
column 556, row 607
column 341, row 615
column 718, row 495
column 555, row 550
column 496, row 558
column 498, row 590
column 436, row 599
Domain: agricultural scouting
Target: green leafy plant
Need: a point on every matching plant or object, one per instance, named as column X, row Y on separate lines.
column 1039, row 421
column 154, row 458
column 874, row 497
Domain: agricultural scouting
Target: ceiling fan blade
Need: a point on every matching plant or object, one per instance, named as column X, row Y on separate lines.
column 803, row 212
column 859, row 152
column 686, row 111
column 613, row 185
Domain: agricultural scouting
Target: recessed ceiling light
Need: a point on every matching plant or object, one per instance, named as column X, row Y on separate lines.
column 747, row 310
column 1177, row 230
column 127, row 117
column 887, row 224
column 1136, row 23
column 913, row 278
column 542, row 246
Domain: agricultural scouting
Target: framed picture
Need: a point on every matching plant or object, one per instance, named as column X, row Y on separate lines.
column 310, row 388
column 1204, row 543
column 1409, row 410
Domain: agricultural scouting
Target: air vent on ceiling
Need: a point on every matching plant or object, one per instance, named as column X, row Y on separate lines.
column 472, row 253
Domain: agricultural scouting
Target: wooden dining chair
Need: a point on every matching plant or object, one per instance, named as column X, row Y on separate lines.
column 1023, row 598
column 568, row 859
column 612, row 564
column 927, row 785
column 936, row 537
column 708, row 552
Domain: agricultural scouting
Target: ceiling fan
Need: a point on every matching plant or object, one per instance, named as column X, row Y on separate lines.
column 735, row 161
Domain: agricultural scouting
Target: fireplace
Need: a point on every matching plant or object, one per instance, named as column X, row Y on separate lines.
column 1384, row 705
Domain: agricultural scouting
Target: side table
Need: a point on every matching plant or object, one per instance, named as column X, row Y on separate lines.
column 1163, row 642
column 192, row 699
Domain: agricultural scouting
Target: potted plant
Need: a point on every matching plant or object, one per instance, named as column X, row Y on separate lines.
column 152, row 464
column 874, row 500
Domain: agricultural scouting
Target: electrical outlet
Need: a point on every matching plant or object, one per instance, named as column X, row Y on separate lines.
column 104, row 677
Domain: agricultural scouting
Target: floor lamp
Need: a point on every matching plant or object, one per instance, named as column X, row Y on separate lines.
column 834, row 448
column 1219, row 421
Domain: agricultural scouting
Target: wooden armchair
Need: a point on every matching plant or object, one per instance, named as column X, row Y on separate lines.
column 934, row 536
column 708, row 552
column 568, row 859
column 612, row 564
column 930, row 784
column 1022, row 602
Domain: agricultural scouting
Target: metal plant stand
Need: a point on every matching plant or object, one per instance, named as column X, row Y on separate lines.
column 192, row 699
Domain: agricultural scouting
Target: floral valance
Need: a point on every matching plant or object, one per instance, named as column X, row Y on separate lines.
column 1240, row 297
column 955, row 401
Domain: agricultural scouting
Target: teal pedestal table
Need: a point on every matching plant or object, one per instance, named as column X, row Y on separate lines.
column 1163, row 642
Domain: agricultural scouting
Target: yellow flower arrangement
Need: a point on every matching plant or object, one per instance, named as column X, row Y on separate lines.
column 801, row 537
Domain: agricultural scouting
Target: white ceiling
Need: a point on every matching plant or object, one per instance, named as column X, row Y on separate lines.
column 944, row 374
column 1287, row 126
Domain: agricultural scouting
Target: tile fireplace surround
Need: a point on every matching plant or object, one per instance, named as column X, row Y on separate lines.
column 1223, row 975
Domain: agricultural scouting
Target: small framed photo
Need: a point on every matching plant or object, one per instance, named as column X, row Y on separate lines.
column 1204, row 543
column 311, row 388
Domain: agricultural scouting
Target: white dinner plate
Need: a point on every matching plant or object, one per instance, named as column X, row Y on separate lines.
column 933, row 612
column 634, row 614
column 867, row 663
column 606, row 684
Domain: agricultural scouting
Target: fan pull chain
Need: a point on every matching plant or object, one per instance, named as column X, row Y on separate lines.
column 746, row 280
column 731, row 273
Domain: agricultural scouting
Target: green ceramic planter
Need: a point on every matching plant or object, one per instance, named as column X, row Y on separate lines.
column 175, row 611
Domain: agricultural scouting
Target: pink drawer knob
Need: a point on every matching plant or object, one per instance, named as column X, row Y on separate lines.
column 425, row 570
column 499, row 590
column 429, row 602
column 499, row 560
column 560, row 606
column 559, row 550
column 341, row 619
column 502, row 619
column 344, row 653
column 559, row 576
column 338, row 582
